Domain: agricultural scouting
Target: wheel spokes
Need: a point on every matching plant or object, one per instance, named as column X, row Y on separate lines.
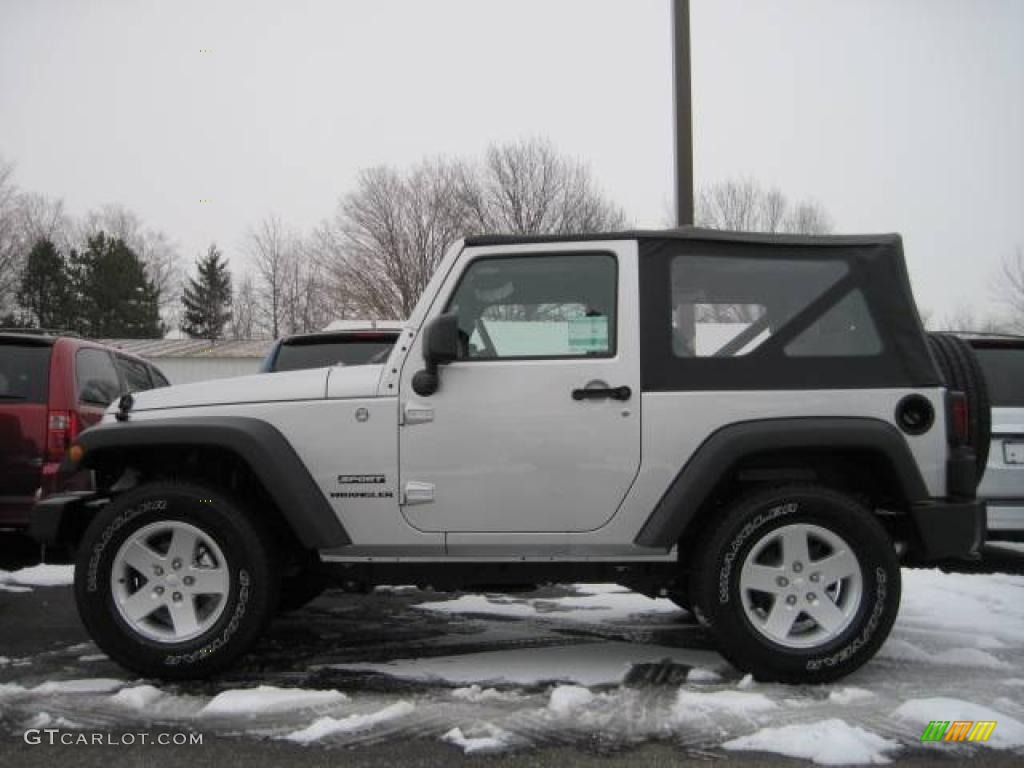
column 141, row 604
column 780, row 619
column 836, row 567
column 825, row 612
column 183, row 615
column 209, row 581
column 794, row 546
column 143, row 559
column 182, row 549
column 762, row 578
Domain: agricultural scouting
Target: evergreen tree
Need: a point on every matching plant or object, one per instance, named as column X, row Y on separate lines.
column 45, row 289
column 115, row 297
column 207, row 298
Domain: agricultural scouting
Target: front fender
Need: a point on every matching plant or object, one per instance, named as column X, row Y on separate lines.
column 260, row 445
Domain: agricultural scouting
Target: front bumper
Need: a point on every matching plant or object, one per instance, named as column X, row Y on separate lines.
column 949, row 528
column 63, row 517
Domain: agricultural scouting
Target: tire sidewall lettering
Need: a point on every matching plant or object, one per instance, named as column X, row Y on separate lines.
column 115, row 525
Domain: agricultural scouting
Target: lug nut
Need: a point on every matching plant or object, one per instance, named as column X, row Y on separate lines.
column 176, row 597
column 782, row 581
column 798, row 566
column 189, row 581
column 158, row 571
column 158, row 591
column 791, row 600
column 815, row 577
column 176, row 563
column 811, row 597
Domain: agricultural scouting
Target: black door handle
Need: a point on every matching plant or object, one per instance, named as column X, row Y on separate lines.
column 600, row 393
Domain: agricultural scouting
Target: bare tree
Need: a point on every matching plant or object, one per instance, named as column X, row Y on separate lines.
column 271, row 248
column 387, row 237
column 11, row 250
column 743, row 205
column 966, row 319
column 1008, row 288
column 243, row 315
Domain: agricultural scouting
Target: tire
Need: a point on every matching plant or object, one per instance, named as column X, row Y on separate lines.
column 743, row 620
column 193, row 632
column 962, row 372
column 300, row 589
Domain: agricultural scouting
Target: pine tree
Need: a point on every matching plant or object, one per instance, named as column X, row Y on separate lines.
column 45, row 289
column 116, row 299
column 207, row 298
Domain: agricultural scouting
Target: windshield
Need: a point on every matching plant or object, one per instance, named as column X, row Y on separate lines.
column 314, row 353
column 24, row 372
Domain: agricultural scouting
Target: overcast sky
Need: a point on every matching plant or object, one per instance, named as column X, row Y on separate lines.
column 897, row 115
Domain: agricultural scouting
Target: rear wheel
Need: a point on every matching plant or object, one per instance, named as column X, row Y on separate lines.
column 174, row 581
column 797, row 584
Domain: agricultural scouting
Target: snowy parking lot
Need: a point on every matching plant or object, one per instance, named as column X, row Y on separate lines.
column 595, row 668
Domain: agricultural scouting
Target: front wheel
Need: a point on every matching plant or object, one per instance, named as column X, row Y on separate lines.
column 797, row 584
column 174, row 581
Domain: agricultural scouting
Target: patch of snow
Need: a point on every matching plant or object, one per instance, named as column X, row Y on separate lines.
column 746, row 682
column 700, row 675
column 268, row 698
column 829, row 742
column 491, row 739
column 43, row 575
column 474, row 693
column 566, row 698
column 137, row 697
column 1014, row 681
column 613, row 606
column 46, row 720
column 4, row 661
column 1008, row 734
column 329, row 726
column 11, row 588
column 690, row 703
column 93, row 657
column 584, row 664
column 10, row 689
column 84, row 685
column 849, row 695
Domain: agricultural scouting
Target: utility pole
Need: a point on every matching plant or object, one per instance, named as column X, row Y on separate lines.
column 683, row 111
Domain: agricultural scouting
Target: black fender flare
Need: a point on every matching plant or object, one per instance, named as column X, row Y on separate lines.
column 722, row 449
column 261, row 445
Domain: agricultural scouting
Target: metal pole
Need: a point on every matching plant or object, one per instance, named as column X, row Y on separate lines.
column 683, row 111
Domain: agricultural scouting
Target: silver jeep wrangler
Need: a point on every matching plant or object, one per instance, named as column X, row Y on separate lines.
column 756, row 427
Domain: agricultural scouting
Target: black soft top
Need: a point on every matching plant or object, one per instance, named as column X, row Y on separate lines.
column 696, row 233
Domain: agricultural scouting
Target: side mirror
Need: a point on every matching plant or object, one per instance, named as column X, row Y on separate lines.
column 440, row 347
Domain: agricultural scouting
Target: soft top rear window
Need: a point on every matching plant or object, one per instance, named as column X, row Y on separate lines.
column 1004, row 374
column 24, row 372
column 315, row 353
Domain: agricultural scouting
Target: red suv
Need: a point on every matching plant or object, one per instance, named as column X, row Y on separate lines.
column 51, row 388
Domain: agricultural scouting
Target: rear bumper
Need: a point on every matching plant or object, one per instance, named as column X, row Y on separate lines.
column 949, row 528
column 63, row 517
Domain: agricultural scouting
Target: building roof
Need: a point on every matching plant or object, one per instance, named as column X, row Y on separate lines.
column 193, row 348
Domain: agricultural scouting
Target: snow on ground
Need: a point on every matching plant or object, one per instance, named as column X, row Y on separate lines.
column 329, row 726
column 566, row 665
column 37, row 576
column 268, row 699
column 829, row 742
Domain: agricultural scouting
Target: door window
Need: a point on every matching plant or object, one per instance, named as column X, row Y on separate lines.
column 97, row 379
column 537, row 307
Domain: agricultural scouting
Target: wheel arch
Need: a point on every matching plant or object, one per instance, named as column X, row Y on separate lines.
column 270, row 459
column 776, row 451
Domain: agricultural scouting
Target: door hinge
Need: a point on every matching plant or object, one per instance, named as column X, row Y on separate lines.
column 417, row 493
column 415, row 413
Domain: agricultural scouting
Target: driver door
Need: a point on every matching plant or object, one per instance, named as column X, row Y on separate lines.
column 536, row 427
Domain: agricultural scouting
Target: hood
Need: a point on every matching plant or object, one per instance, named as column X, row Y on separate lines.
column 308, row 384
